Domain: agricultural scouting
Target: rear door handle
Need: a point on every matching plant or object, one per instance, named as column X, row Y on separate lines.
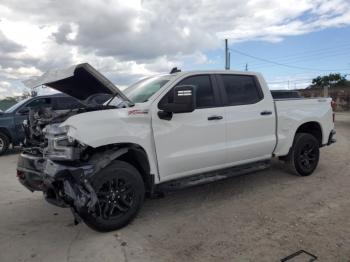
column 265, row 113
column 215, row 118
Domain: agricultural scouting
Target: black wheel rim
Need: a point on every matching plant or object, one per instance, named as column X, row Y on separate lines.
column 115, row 197
column 308, row 156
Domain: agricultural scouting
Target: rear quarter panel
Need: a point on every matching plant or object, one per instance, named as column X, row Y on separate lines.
column 292, row 113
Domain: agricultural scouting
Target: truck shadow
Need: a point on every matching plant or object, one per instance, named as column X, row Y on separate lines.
column 182, row 202
column 219, row 192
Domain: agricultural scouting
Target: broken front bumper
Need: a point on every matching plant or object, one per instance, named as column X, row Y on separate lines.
column 63, row 185
column 29, row 171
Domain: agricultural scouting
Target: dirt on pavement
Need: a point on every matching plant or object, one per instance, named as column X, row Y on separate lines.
column 259, row 217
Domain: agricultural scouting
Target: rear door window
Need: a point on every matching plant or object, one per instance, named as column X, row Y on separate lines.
column 241, row 89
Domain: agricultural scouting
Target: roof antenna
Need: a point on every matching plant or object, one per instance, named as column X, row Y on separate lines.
column 175, row 70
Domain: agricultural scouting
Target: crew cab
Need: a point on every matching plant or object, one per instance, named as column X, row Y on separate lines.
column 166, row 131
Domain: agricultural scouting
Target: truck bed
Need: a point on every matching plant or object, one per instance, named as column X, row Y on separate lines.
column 291, row 113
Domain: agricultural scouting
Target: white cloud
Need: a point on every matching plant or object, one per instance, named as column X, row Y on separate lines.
column 130, row 39
column 19, row 72
column 9, row 89
column 290, row 82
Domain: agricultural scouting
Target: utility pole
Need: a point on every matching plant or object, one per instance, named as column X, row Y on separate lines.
column 227, row 56
column 325, row 91
column 327, row 87
column 246, row 67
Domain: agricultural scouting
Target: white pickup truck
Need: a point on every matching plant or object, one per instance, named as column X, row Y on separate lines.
column 165, row 131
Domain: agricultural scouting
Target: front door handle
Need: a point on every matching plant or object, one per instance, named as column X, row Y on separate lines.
column 215, row 118
column 265, row 113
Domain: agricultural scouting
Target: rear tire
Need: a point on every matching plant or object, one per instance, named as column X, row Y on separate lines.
column 304, row 155
column 4, row 143
column 120, row 190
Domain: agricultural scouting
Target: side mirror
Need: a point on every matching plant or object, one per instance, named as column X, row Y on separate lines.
column 184, row 100
column 23, row 111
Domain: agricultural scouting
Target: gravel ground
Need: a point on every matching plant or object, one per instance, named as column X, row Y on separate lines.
column 259, row 217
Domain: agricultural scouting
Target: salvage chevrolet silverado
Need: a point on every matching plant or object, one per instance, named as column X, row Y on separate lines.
column 165, row 131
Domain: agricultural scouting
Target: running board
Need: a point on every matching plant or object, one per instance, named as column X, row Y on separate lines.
column 209, row 177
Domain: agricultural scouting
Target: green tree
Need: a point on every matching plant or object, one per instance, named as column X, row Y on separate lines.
column 11, row 100
column 7, row 102
column 331, row 80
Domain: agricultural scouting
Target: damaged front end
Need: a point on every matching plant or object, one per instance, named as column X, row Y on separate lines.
column 69, row 186
column 65, row 170
column 55, row 163
column 54, row 167
column 41, row 133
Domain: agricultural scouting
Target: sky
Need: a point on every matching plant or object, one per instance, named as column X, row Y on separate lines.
column 289, row 41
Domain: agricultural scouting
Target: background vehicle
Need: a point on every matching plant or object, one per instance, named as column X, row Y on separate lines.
column 167, row 131
column 11, row 121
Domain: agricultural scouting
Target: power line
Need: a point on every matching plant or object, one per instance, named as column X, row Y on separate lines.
column 294, row 80
column 282, row 64
column 313, row 57
column 313, row 52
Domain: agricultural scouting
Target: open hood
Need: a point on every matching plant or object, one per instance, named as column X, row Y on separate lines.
column 79, row 81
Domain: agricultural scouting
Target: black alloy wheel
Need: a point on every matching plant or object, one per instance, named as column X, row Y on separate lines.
column 116, row 196
column 304, row 155
column 120, row 191
column 307, row 156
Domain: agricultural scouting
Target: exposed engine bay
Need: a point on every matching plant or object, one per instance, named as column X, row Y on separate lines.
column 38, row 119
column 43, row 123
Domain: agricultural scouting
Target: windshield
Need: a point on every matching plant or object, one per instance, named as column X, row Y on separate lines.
column 15, row 106
column 142, row 90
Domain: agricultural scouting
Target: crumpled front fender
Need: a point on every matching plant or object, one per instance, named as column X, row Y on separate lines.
column 114, row 126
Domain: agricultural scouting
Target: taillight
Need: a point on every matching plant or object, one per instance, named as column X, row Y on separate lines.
column 333, row 105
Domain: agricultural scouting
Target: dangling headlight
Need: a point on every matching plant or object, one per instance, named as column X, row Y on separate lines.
column 63, row 141
column 61, row 146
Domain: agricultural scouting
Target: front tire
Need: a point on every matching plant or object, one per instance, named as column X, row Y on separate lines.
column 304, row 155
column 120, row 191
column 4, row 143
